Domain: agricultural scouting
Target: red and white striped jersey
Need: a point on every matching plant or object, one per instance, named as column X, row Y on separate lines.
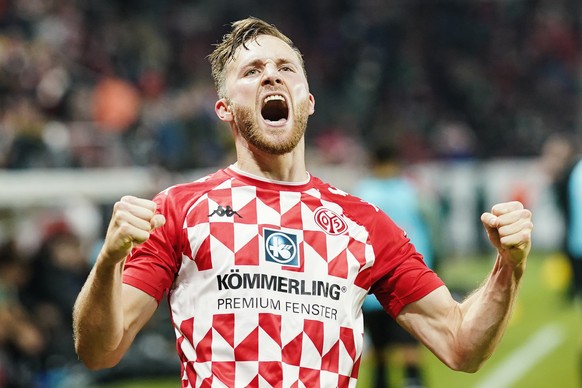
column 265, row 279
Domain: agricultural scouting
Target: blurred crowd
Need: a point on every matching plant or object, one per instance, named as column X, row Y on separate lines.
column 36, row 300
column 104, row 83
column 39, row 282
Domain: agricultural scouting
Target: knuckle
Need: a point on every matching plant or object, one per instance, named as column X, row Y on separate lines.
column 517, row 204
column 117, row 206
column 506, row 241
column 126, row 198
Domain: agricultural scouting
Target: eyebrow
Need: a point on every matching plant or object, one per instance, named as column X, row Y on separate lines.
column 278, row 61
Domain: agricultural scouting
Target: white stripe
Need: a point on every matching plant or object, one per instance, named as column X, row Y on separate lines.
column 524, row 358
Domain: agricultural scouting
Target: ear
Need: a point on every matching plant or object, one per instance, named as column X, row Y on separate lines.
column 222, row 109
column 311, row 104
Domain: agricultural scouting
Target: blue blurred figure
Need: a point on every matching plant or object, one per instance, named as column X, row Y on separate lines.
column 390, row 190
column 562, row 161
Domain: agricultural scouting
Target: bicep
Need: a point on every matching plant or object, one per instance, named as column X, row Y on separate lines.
column 104, row 332
column 433, row 319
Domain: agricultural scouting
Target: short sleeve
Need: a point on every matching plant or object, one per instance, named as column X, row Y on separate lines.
column 399, row 274
column 151, row 266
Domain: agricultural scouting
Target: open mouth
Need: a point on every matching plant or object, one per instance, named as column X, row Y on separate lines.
column 275, row 108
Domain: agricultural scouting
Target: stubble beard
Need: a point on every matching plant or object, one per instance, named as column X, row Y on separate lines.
column 249, row 129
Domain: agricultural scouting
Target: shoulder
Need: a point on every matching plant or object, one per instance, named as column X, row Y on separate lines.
column 353, row 206
column 577, row 169
column 182, row 195
column 574, row 182
column 331, row 193
column 200, row 185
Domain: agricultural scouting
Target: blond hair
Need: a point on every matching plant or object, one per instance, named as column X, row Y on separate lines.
column 242, row 32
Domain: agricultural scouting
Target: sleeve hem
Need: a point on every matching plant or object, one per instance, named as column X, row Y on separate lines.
column 145, row 287
column 417, row 295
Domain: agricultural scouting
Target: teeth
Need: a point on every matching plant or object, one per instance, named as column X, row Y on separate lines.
column 277, row 97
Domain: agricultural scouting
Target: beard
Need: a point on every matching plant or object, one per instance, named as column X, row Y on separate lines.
column 249, row 129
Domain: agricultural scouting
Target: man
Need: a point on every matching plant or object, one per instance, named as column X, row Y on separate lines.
column 393, row 192
column 561, row 160
column 265, row 266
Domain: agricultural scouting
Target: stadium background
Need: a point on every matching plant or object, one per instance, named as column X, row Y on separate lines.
column 104, row 98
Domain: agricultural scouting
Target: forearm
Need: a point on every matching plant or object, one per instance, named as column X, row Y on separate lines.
column 98, row 316
column 485, row 314
column 108, row 314
column 464, row 335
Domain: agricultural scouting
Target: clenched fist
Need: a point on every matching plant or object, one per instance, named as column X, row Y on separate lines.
column 509, row 228
column 132, row 222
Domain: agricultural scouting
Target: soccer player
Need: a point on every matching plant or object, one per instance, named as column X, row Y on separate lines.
column 393, row 192
column 562, row 161
column 265, row 266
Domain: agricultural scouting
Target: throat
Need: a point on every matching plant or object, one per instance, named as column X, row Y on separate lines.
column 278, row 170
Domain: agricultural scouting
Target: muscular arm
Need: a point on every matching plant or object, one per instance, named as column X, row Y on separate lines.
column 464, row 335
column 108, row 314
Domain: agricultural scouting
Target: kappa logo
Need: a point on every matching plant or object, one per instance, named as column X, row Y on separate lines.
column 224, row 211
column 281, row 247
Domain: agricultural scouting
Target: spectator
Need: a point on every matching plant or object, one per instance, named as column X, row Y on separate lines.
column 492, row 65
column 561, row 158
column 59, row 268
column 21, row 340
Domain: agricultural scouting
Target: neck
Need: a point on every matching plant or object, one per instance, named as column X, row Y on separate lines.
column 288, row 167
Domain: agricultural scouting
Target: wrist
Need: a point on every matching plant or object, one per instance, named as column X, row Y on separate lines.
column 509, row 268
column 105, row 263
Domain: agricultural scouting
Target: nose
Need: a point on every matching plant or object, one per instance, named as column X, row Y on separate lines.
column 271, row 75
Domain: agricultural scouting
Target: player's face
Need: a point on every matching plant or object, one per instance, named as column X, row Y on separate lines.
column 268, row 96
